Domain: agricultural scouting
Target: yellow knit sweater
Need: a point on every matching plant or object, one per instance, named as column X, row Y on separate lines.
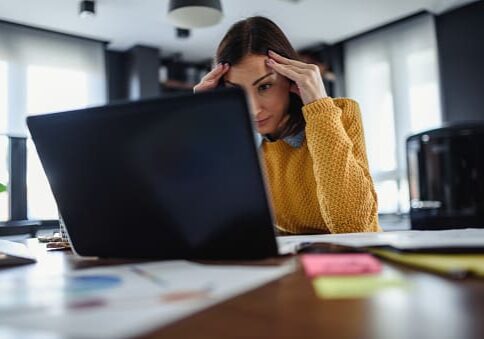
column 324, row 186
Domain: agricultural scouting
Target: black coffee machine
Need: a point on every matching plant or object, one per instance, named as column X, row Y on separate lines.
column 446, row 177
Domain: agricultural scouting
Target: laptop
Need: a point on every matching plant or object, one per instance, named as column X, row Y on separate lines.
column 177, row 177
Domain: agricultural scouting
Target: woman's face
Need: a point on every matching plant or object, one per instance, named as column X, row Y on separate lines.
column 267, row 91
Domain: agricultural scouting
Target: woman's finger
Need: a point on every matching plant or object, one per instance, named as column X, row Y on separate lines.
column 212, row 74
column 218, row 75
column 204, row 86
column 284, row 60
column 284, row 70
column 302, row 71
column 217, row 72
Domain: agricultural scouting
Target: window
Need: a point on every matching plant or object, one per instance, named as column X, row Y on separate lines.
column 49, row 89
column 42, row 72
column 3, row 177
column 424, row 91
column 3, row 97
column 393, row 74
column 3, row 140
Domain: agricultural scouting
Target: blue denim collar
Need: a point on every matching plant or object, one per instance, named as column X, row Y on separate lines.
column 294, row 141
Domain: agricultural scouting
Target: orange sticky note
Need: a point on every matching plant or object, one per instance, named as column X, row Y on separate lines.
column 340, row 264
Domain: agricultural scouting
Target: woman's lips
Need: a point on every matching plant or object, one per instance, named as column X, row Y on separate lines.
column 262, row 122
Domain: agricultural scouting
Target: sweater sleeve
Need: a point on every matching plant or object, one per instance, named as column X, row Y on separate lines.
column 345, row 191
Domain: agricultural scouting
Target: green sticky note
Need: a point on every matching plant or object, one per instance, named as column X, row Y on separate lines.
column 3, row 188
column 361, row 286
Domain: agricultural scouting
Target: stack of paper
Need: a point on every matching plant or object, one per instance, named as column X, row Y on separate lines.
column 402, row 240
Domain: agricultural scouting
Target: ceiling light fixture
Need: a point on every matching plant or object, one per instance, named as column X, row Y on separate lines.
column 87, row 8
column 194, row 13
column 182, row 33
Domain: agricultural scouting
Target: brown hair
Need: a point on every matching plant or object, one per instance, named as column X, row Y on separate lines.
column 257, row 35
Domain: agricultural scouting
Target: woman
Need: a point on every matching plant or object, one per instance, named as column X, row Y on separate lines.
column 313, row 145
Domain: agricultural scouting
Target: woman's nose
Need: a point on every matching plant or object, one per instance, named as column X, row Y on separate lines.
column 254, row 105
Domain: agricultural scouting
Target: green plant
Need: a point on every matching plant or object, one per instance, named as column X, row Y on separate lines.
column 3, row 188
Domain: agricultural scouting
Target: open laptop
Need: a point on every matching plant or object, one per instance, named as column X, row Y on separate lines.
column 168, row 178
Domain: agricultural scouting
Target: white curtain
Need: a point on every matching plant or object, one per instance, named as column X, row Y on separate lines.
column 43, row 72
column 393, row 74
column 52, row 66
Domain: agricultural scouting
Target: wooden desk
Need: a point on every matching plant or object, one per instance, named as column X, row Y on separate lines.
column 435, row 307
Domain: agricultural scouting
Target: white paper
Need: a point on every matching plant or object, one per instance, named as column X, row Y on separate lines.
column 404, row 240
column 136, row 305
column 17, row 250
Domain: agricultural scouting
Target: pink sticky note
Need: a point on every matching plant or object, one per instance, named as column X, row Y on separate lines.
column 340, row 264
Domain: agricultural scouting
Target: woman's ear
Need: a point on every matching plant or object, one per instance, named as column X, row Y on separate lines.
column 293, row 88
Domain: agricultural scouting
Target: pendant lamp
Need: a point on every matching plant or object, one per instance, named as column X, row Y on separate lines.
column 190, row 14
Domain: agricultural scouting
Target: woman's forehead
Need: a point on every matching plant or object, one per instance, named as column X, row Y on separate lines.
column 251, row 68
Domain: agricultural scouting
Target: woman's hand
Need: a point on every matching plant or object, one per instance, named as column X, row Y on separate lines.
column 308, row 82
column 211, row 79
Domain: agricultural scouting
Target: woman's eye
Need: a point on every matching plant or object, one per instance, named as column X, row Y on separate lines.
column 264, row 87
